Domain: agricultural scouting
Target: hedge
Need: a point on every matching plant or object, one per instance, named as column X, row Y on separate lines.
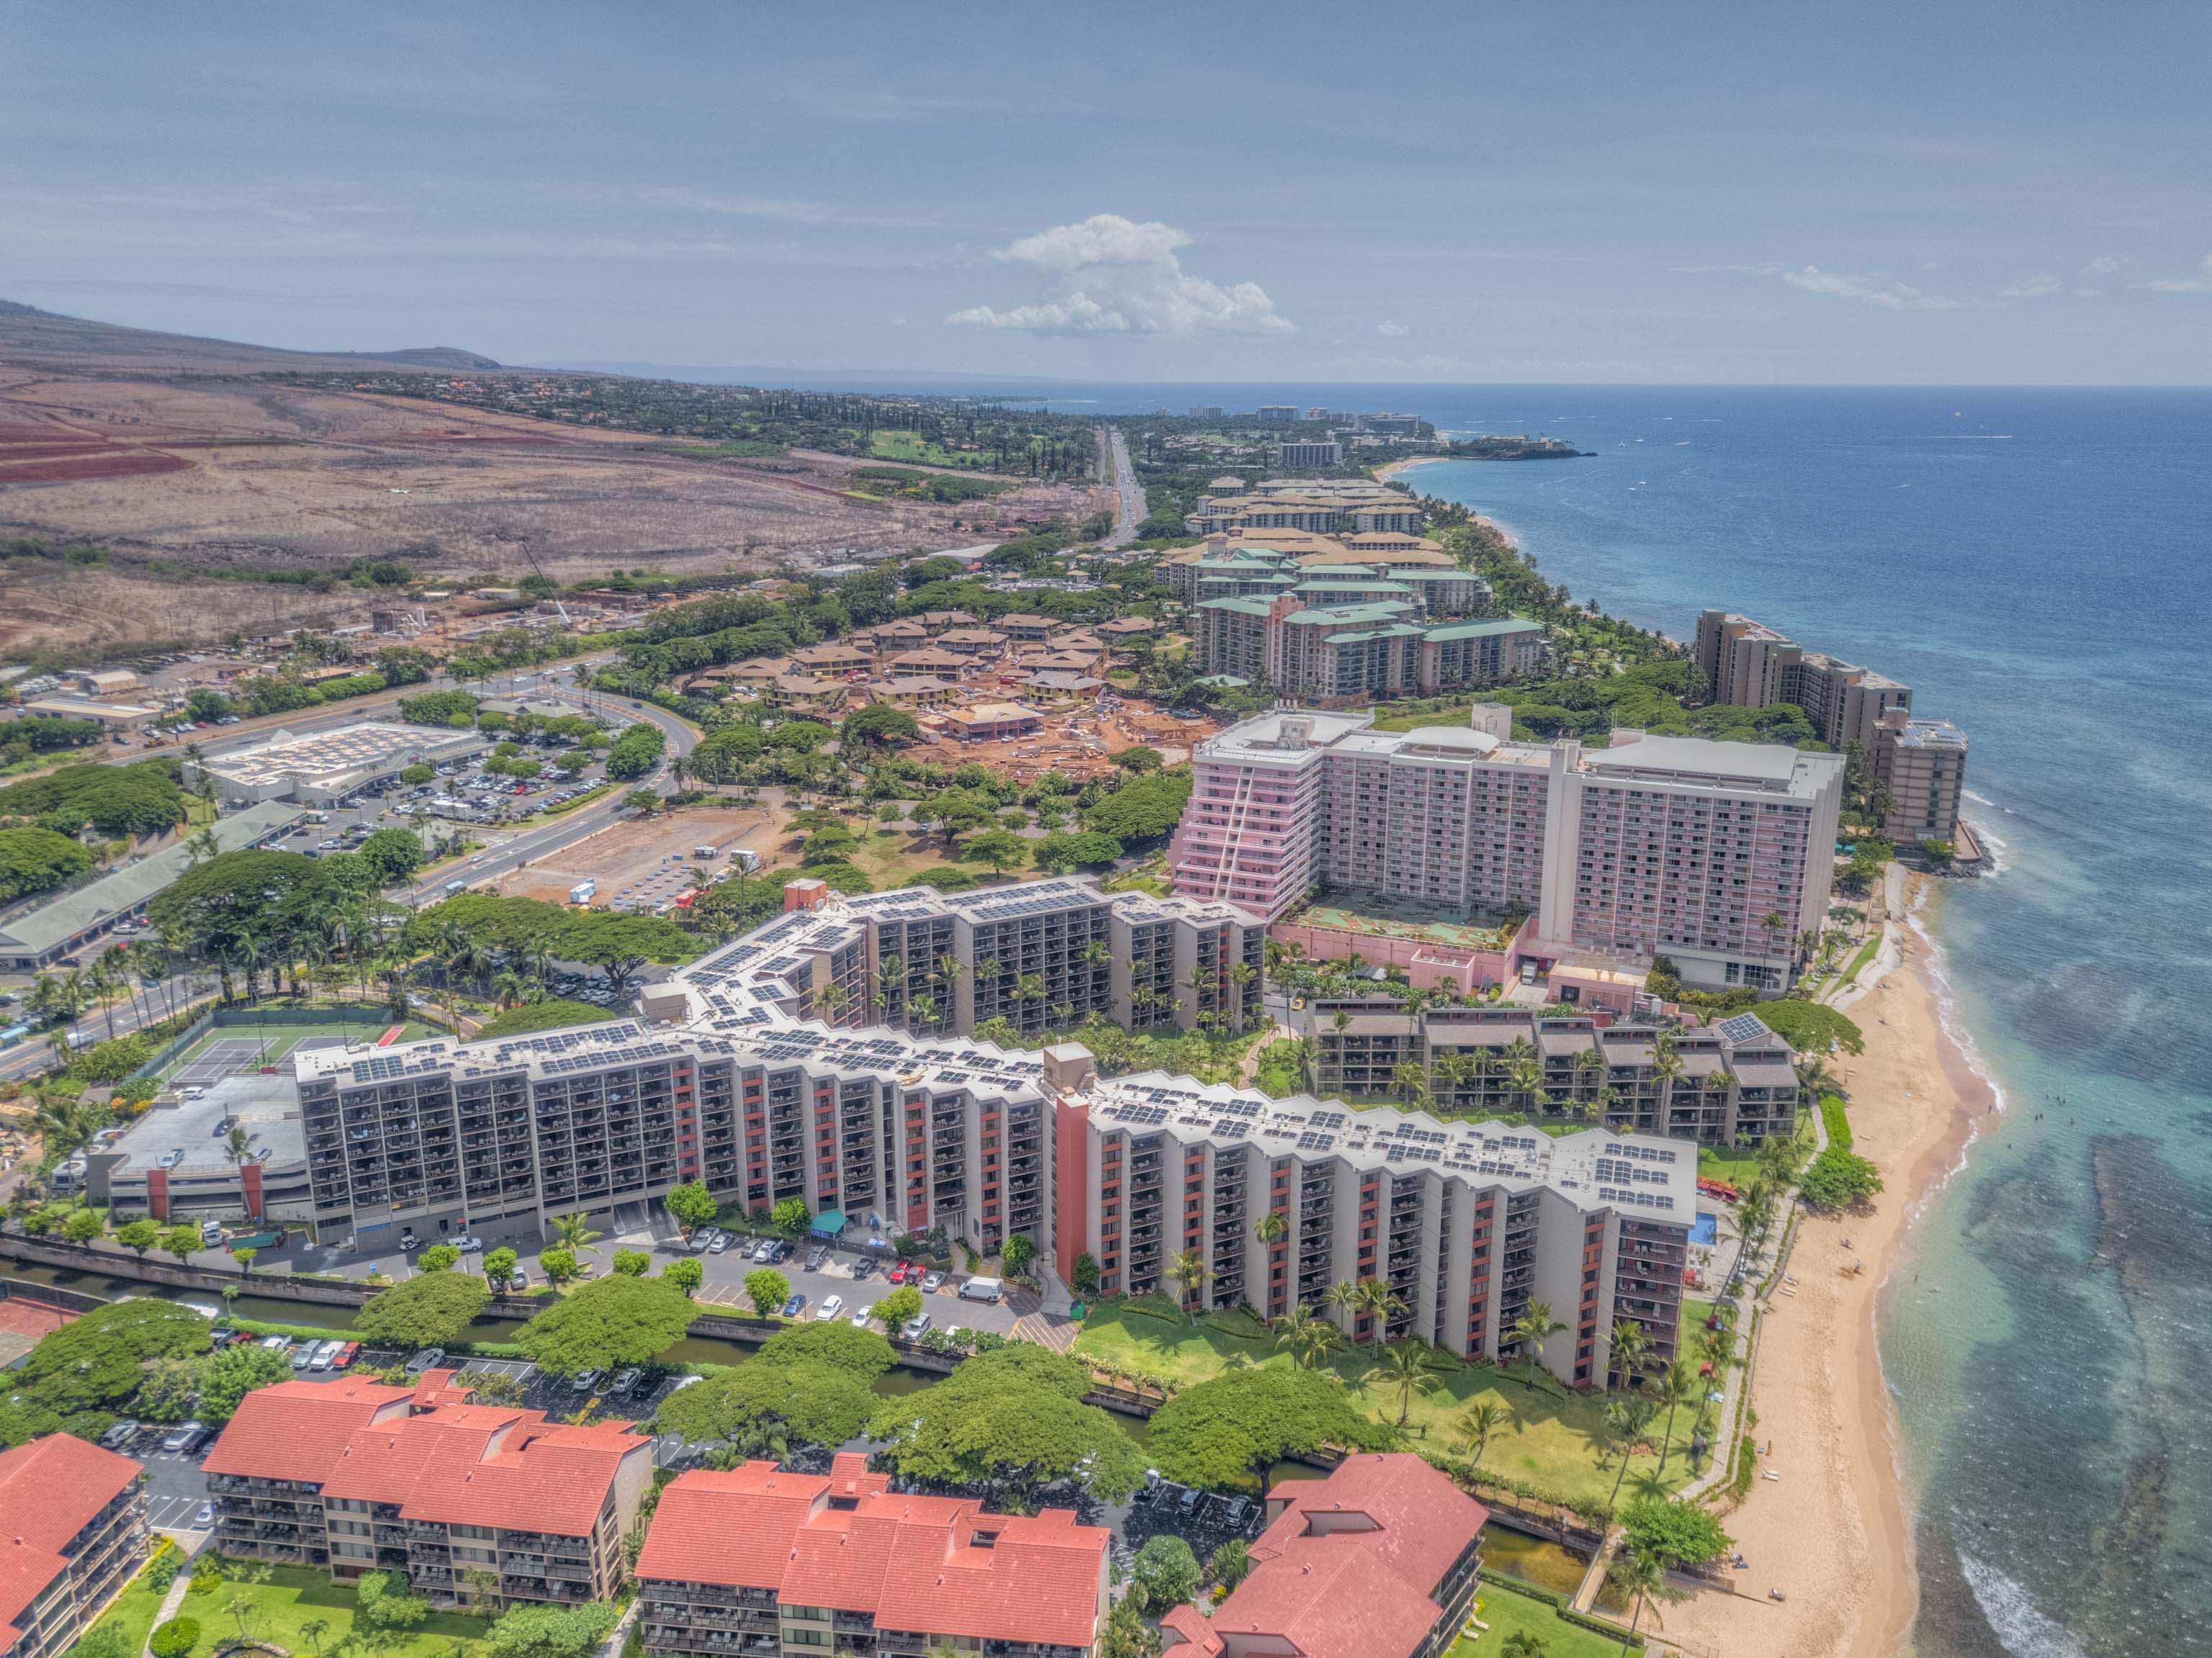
column 1837, row 1121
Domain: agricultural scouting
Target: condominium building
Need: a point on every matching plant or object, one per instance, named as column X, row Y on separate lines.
column 72, row 1533
column 1379, row 1560
column 1349, row 638
column 1714, row 854
column 1309, row 453
column 761, row 1560
column 1747, row 665
column 1730, row 1083
column 1466, row 1221
column 479, row 1505
column 1922, row 764
column 1466, row 1224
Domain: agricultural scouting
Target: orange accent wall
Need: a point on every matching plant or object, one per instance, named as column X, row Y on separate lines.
column 1071, row 1154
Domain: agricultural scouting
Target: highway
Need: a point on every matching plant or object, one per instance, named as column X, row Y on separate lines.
column 1129, row 507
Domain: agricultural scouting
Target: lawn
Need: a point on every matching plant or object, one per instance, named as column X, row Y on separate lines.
column 133, row 1613
column 288, row 1597
column 1508, row 1613
column 912, row 446
column 1551, row 1441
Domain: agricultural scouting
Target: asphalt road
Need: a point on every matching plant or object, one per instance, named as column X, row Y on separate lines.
column 1129, row 506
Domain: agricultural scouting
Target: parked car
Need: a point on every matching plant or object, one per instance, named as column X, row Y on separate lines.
column 409, row 1241
column 346, row 1354
column 765, row 1251
column 864, row 1267
column 916, row 1328
column 469, row 1244
column 429, row 1359
column 203, row 1516
column 897, row 1274
column 859, row 1320
column 817, row 1257
column 119, row 1435
column 791, row 1308
column 185, row 1438
column 831, row 1306
column 277, row 1344
column 721, row 1242
column 625, row 1379
column 931, row 1282
column 586, row 1382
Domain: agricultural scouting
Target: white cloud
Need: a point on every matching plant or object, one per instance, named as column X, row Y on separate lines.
column 2033, row 289
column 2199, row 283
column 1116, row 277
column 1874, row 290
column 2103, row 265
column 1392, row 329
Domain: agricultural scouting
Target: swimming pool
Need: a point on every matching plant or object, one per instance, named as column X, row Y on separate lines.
column 1707, row 1231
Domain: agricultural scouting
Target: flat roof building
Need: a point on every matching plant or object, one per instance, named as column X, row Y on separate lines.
column 324, row 767
column 1657, row 845
column 172, row 1162
column 1923, row 765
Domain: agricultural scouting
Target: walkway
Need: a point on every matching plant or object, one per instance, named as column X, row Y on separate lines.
column 177, row 1590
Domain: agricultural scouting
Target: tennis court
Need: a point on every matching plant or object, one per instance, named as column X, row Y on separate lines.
column 242, row 1049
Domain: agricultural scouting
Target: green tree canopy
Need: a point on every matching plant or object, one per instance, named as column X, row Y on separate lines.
column 691, row 1207
column 38, row 860
column 767, row 1289
column 859, row 1353
column 100, row 1359
column 1231, row 1430
column 1810, row 1028
column 530, row 1630
column 609, row 1321
column 427, row 1311
column 810, row 1401
column 1675, row 1533
column 393, row 853
column 1007, row 1418
column 1166, row 1570
column 227, row 1376
column 1838, row 1180
column 1145, row 808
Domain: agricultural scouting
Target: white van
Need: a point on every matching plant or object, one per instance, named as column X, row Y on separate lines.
column 982, row 1288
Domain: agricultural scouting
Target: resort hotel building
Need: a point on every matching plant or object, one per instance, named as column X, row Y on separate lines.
column 1922, row 762
column 725, row 1082
column 1716, row 855
column 72, row 1534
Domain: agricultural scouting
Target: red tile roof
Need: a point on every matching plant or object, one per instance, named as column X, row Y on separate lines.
column 1346, row 1569
column 296, row 1429
column 427, row 1450
column 50, row 1489
column 939, row 1565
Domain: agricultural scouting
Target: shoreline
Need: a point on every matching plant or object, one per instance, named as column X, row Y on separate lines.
column 1834, row 1531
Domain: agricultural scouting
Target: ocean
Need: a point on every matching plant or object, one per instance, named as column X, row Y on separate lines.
column 2034, row 563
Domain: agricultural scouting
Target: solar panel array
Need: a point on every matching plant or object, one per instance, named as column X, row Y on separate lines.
column 1744, row 1029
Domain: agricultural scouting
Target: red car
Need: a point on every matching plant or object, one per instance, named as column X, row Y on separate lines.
column 897, row 1274
column 345, row 1355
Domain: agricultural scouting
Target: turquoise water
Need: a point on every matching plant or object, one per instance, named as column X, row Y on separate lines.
column 2033, row 564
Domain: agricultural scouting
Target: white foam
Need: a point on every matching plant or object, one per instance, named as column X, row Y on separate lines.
column 2020, row 1628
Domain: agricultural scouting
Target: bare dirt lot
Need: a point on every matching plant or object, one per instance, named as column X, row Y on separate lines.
column 1080, row 741
column 645, row 859
column 139, row 446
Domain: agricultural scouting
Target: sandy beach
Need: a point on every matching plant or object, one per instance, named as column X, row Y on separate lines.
column 1831, row 1533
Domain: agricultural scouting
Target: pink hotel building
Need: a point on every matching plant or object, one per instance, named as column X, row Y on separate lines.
column 1714, row 854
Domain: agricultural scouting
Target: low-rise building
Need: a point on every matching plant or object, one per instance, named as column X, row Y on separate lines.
column 479, row 1505
column 760, row 1559
column 72, row 1533
column 173, row 1162
column 118, row 717
column 324, row 767
column 990, row 722
column 44, row 932
column 1379, row 1560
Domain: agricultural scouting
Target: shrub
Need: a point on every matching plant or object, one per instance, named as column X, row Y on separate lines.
column 176, row 1637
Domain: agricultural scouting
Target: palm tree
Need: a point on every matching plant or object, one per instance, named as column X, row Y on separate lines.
column 1376, row 1299
column 1304, row 1335
column 1524, row 1075
column 1627, row 1419
column 237, row 1146
column 1471, row 1433
column 828, row 1000
column 314, row 1629
column 1272, row 1228
column 1642, row 1579
column 1408, row 1369
column 1679, row 1384
column 1632, row 1347
column 1531, row 1331
column 1188, row 1270
column 574, row 1232
column 1030, row 987
column 1344, row 1296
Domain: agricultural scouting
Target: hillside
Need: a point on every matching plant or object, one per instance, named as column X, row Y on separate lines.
column 216, row 483
column 34, row 338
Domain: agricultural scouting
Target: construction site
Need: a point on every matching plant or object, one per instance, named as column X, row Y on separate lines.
column 645, row 865
column 1077, row 742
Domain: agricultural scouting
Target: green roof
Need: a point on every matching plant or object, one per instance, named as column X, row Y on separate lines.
column 1508, row 624
column 1337, row 614
column 1240, row 606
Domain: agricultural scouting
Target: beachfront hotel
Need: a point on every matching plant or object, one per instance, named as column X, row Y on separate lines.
column 726, row 1083
column 1713, row 854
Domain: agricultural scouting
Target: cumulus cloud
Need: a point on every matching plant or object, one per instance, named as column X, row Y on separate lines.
column 1116, row 277
column 2103, row 265
column 2199, row 283
column 1392, row 329
column 2033, row 289
column 1866, row 290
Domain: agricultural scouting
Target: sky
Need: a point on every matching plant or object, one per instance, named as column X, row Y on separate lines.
column 1821, row 193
